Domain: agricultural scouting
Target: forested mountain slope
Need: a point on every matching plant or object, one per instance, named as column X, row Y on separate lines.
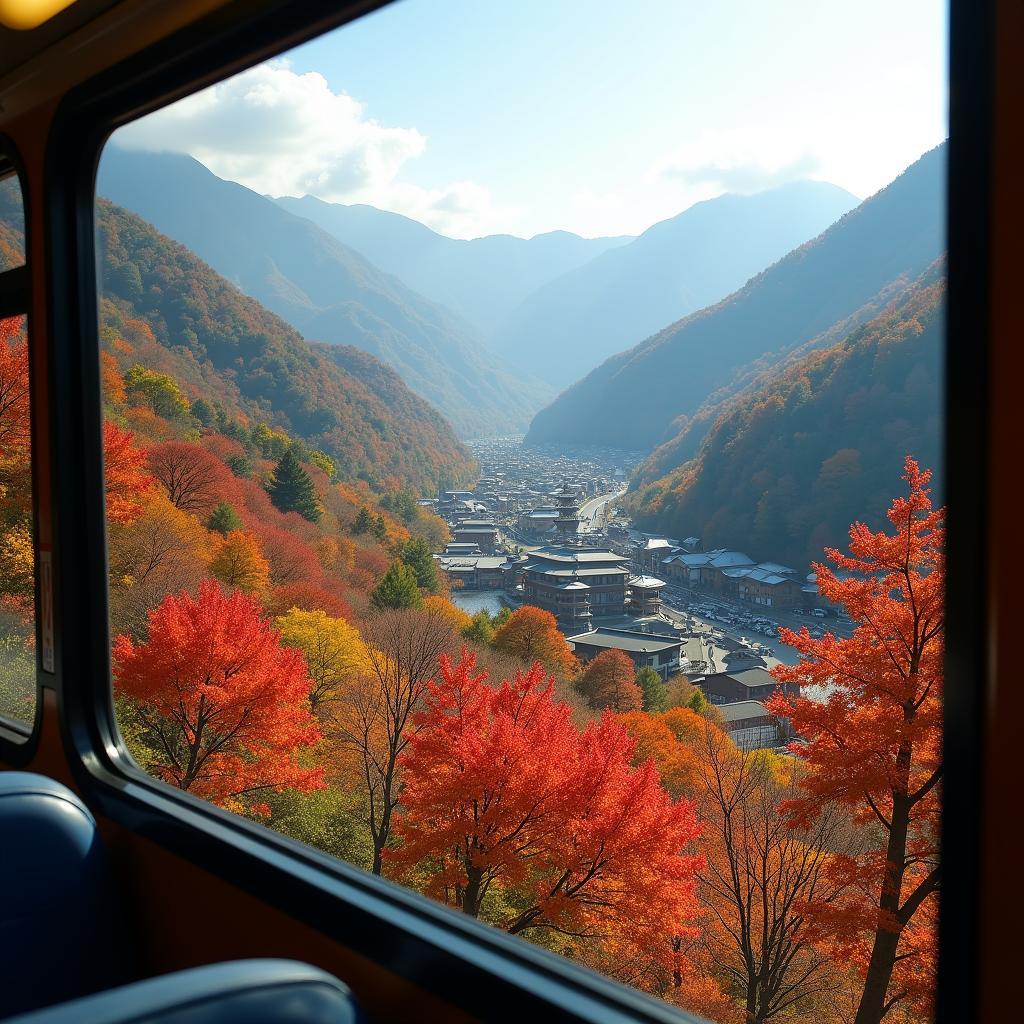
column 223, row 347
column 786, row 468
column 482, row 279
column 637, row 398
column 324, row 289
column 676, row 266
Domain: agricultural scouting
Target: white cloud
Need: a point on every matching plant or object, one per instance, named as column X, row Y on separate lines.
column 738, row 161
column 283, row 133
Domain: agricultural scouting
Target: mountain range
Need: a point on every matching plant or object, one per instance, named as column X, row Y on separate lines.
column 324, row 289
column 644, row 396
column 482, row 279
column 575, row 322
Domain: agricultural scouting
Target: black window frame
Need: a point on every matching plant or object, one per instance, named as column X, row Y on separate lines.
column 456, row 958
column 19, row 738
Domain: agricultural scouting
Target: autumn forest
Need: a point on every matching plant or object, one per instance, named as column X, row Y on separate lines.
column 284, row 645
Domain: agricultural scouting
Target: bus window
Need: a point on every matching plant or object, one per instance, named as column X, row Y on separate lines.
column 12, row 223
column 447, row 423
column 17, row 559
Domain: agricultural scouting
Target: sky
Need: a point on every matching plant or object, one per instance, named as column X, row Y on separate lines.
column 524, row 116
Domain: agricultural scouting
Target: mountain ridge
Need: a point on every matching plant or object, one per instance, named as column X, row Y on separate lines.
column 315, row 283
column 678, row 265
column 223, row 346
column 637, row 397
column 786, row 466
column 482, row 279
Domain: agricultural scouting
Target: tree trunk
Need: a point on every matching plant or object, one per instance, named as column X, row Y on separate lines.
column 887, row 934
column 471, row 893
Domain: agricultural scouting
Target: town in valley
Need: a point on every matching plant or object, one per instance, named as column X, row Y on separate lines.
column 542, row 526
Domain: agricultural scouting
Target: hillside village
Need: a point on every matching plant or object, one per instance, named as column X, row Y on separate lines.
column 541, row 528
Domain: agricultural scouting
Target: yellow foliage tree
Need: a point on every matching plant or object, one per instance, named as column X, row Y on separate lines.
column 239, row 562
column 163, row 551
column 459, row 619
column 334, row 651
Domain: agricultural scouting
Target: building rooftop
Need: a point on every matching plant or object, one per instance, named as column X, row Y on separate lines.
column 724, row 559
column 743, row 709
column 578, row 556
column 627, row 640
column 758, row 574
column 646, row 582
column 692, row 561
column 656, row 544
column 549, row 570
column 467, row 563
column 752, row 677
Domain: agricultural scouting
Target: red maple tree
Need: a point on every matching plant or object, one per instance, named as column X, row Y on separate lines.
column 223, row 702
column 505, row 797
column 195, row 480
column 873, row 744
column 126, row 479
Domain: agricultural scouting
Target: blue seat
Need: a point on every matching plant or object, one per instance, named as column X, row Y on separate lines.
column 243, row 992
column 61, row 935
column 64, row 946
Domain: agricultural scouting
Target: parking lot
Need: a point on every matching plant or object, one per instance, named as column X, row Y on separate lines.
column 756, row 624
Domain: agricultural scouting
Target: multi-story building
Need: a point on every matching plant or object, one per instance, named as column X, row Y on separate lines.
column 575, row 584
column 474, row 572
column 643, row 595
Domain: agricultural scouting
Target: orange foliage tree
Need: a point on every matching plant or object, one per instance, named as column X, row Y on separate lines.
column 532, row 635
column 222, row 701
column 126, row 480
column 609, row 681
column 504, row 796
column 656, row 740
column 239, row 563
column 874, row 745
column 162, row 551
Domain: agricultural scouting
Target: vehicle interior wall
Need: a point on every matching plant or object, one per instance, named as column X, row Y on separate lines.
column 162, row 888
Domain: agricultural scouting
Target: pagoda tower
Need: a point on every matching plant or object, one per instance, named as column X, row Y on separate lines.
column 568, row 522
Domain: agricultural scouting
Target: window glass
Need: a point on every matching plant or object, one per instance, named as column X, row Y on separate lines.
column 17, row 559
column 448, row 396
column 12, row 222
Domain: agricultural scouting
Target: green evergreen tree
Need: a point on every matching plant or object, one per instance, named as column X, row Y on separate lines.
column 699, row 703
column 291, row 489
column 480, row 630
column 397, row 589
column 364, row 521
column 416, row 554
column 224, row 519
column 203, row 412
column 380, row 528
column 401, row 504
column 240, row 466
column 655, row 694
